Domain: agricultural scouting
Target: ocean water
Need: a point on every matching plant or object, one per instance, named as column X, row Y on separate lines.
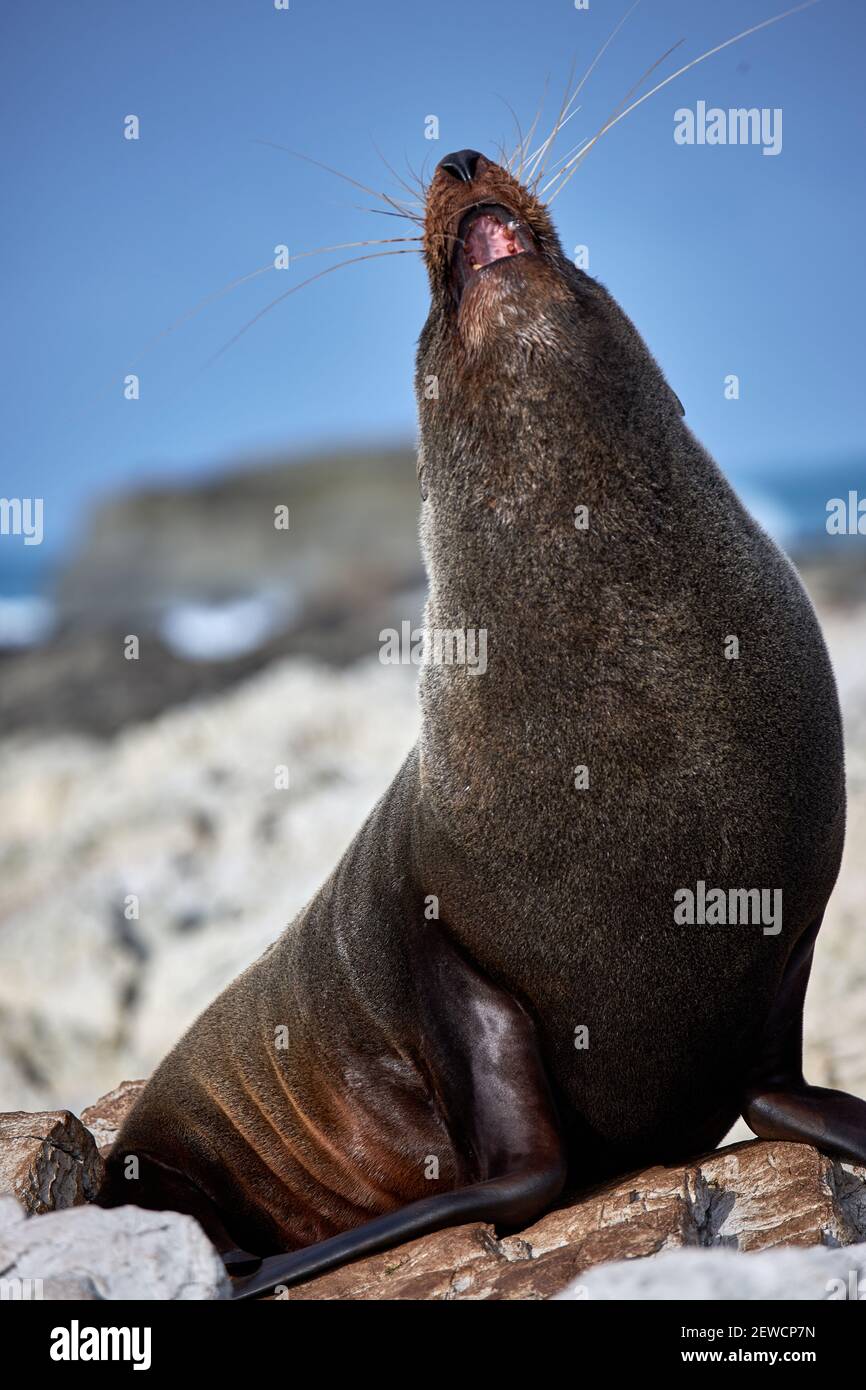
column 24, row 569
column 792, row 504
column 27, row 610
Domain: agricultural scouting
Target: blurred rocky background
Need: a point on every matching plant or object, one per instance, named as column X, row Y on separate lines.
column 147, row 853
column 212, row 587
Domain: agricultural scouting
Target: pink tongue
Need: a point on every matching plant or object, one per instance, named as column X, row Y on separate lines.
column 487, row 240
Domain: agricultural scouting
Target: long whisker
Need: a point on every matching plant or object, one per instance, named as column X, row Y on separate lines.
column 541, row 149
column 509, row 159
column 568, row 170
column 383, row 212
column 524, row 146
column 251, row 275
column 557, row 125
column 374, row 193
column 422, row 187
column 570, row 159
column 579, row 88
column 348, row 245
column 786, row 14
column 566, row 158
column 393, row 171
column 186, row 316
column 197, row 308
column 353, row 260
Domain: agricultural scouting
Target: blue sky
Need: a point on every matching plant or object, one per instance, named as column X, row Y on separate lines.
column 727, row 260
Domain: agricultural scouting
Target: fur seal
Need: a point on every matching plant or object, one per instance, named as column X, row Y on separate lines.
column 493, row 993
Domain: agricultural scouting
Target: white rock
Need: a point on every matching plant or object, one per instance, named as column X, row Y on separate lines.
column 125, row 1253
column 788, row 1273
column 139, row 876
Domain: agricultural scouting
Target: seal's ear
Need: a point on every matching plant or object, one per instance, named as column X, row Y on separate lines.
column 681, row 408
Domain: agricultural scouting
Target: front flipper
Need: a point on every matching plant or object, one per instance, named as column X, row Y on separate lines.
column 779, row 1103
column 480, row 1054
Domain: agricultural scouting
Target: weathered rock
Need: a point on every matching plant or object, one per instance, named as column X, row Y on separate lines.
column 105, row 1117
column 124, row 1253
column 322, row 589
column 783, row 1274
column 748, row 1197
column 184, row 815
column 353, row 534
column 48, row 1160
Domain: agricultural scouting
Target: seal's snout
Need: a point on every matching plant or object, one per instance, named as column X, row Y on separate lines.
column 461, row 165
column 480, row 224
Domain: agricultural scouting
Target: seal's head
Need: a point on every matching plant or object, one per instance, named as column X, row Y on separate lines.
column 492, row 254
column 526, row 365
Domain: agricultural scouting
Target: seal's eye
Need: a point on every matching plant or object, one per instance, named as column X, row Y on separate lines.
column 488, row 233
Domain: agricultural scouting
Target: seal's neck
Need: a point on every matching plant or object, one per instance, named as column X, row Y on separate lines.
column 537, row 527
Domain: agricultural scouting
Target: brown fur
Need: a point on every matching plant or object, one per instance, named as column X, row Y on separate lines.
column 605, row 648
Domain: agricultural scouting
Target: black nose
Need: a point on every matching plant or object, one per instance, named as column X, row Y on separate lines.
column 462, row 164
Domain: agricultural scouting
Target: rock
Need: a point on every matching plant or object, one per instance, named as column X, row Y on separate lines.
column 353, row 532
column 124, row 1253
column 747, row 1197
column 48, row 1160
column 105, row 1117
column 82, row 683
column 692, row 1275
column 216, row 592
column 138, row 878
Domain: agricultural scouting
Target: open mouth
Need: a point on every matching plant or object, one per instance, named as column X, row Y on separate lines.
column 488, row 233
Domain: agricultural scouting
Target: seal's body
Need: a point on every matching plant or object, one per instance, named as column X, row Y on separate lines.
column 493, row 989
